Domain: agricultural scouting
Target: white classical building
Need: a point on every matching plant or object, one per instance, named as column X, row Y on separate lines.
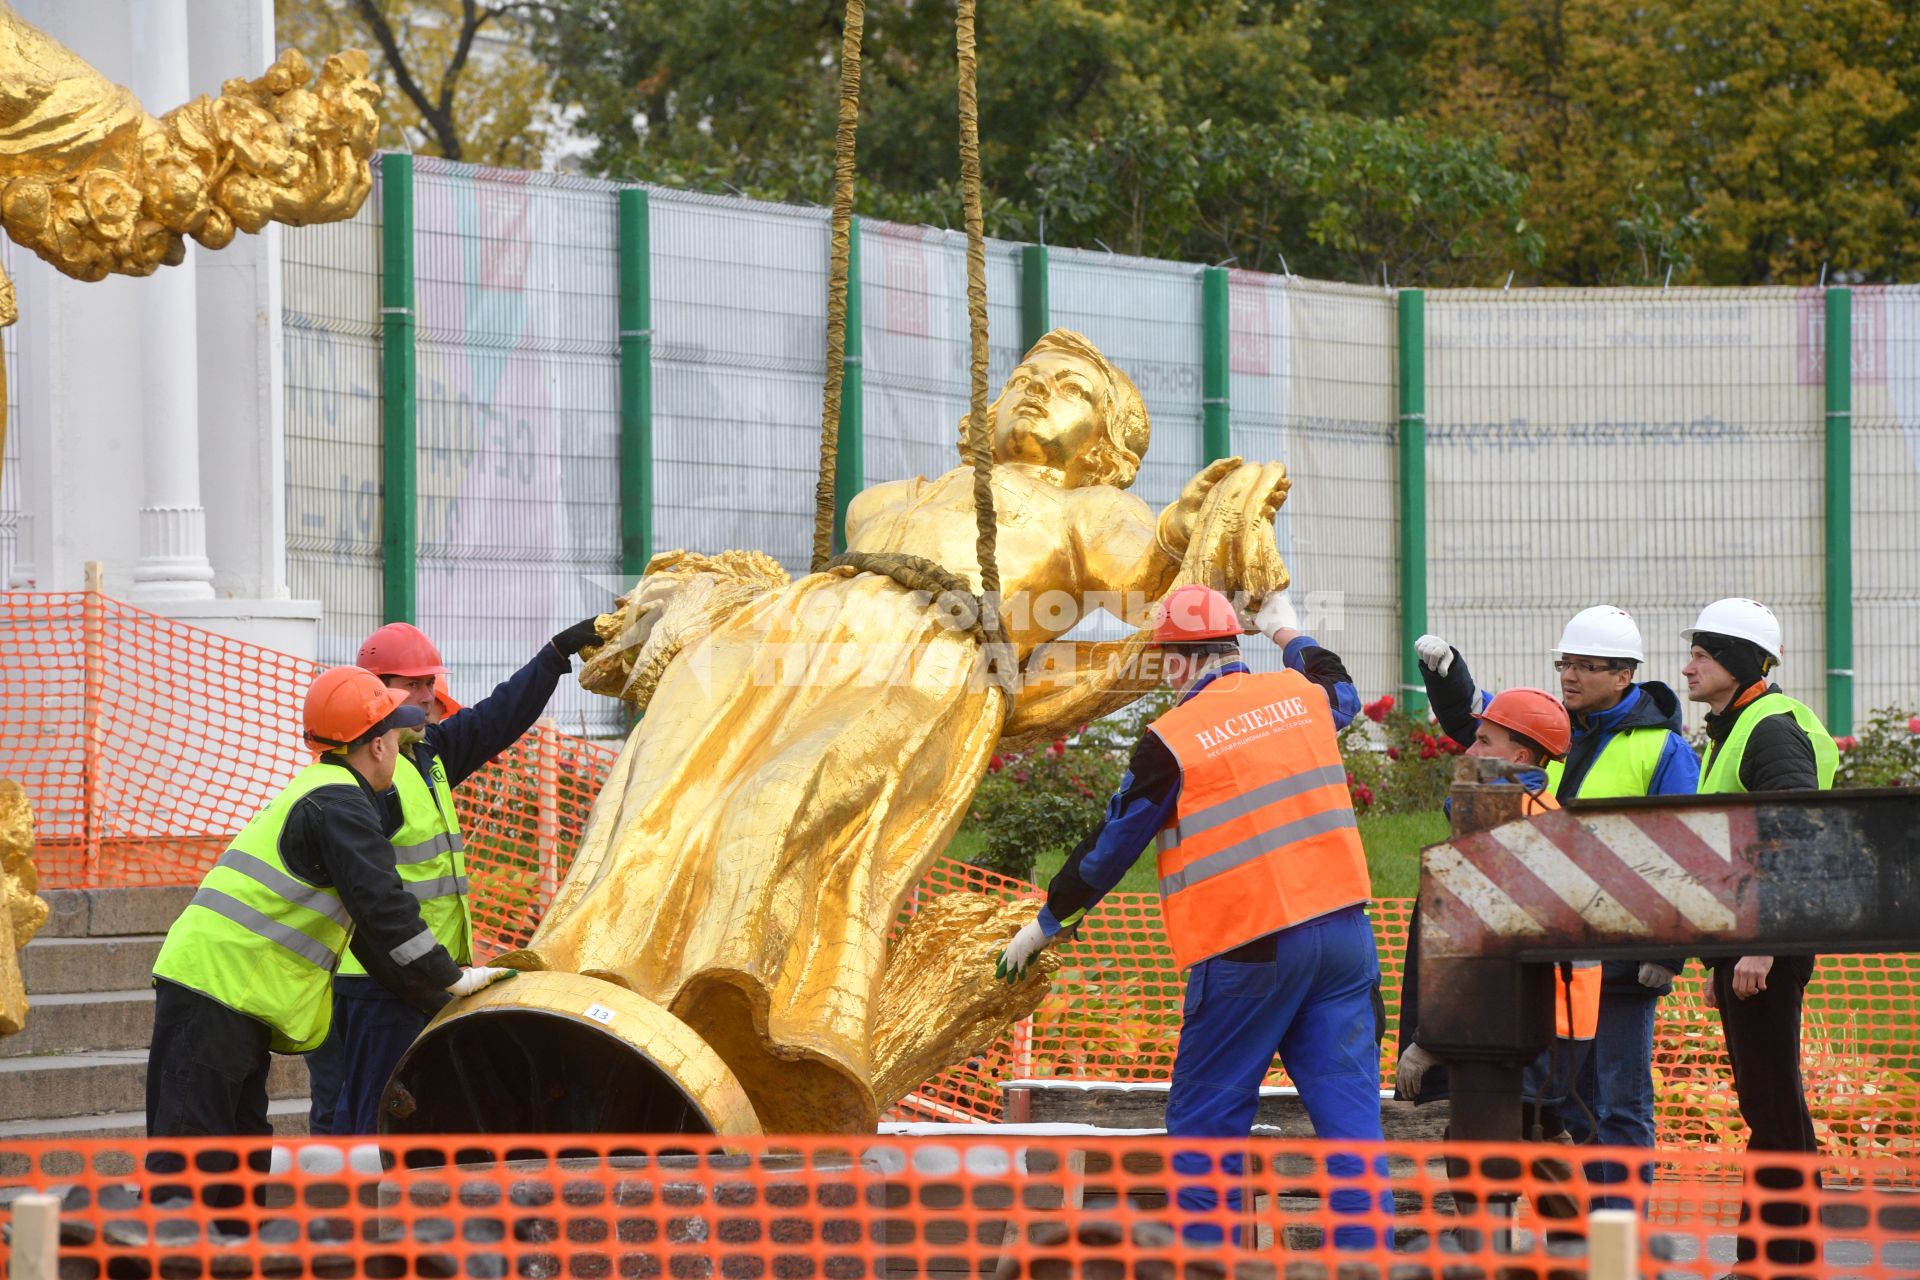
column 147, row 431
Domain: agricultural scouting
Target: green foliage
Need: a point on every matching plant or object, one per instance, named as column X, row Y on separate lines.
column 1043, row 801
column 1321, row 194
column 1885, row 752
column 1396, row 762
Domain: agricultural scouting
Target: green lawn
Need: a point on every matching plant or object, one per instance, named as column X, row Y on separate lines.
column 1393, row 841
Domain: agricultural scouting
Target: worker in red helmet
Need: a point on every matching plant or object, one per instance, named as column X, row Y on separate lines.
column 1263, row 887
column 247, row 969
column 373, row 1021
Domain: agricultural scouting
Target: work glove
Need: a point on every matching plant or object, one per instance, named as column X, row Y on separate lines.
column 577, row 637
column 1655, row 975
column 477, row 979
column 1020, row 952
column 1413, row 1067
column 1276, row 614
column 1436, row 655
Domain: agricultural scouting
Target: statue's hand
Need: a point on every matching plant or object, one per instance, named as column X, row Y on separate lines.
column 1177, row 521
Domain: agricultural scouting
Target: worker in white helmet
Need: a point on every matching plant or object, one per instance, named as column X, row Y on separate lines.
column 1759, row 739
column 1627, row 741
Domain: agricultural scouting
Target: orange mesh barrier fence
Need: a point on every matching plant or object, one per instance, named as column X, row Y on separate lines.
column 685, row 1208
column 145, row 744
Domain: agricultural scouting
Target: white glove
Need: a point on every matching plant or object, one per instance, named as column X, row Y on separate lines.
column 1412, row 1070
column 1655, row 975
column 1020, row 952
column 477, row 979
column 1276, row 614
column 1436, row 655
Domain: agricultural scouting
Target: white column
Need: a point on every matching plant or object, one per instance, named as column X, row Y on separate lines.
column 173, row 526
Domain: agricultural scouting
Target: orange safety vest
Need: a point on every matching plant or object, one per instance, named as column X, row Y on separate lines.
column 1576, row 1004
column 1263, row 837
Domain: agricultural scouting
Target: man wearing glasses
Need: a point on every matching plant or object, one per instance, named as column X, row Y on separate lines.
column 1627, row 741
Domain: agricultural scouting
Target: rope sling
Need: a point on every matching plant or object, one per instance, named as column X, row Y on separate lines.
column 916, row 573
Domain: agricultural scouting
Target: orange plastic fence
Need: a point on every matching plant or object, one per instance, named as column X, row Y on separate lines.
column 145, row 743
column 930, row 1205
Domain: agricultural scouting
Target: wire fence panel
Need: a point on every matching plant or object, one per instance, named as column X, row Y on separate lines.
column 519, row 419
column 916, row 346
column 1650, row 449
column 331, row 322
column 1886, row 498
column 739, row 358
column 1312, row 381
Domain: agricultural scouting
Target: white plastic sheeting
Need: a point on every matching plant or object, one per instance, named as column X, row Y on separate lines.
column 518, row 437
column 331, row 326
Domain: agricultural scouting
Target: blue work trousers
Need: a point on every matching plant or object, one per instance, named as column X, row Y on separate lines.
column 372, row 1030
column 1616, row 1084
column 1313, row 1004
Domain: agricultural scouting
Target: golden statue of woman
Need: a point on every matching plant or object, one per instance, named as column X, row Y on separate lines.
column 803, row 762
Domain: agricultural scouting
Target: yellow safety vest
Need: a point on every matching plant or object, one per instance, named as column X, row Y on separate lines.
column 258, row 938
column 432, row 858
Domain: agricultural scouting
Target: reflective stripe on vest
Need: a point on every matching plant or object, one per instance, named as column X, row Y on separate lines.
column 1263, row 835
column 1721, row 771
column 432, row 860
column 259, row 939
column 1625, row 767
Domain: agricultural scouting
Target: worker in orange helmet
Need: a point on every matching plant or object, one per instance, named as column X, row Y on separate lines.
column 1528, row 728
column 1263, row 886
column 247, row 968
column 374, row 1022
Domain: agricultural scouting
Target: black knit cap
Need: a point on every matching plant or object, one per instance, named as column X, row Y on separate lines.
column 1744, row 660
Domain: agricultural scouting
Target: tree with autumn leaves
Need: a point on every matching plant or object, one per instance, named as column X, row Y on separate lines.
column 1581, row 142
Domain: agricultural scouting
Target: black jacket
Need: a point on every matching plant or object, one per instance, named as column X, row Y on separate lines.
column 339, row 835
column 1779, row 755
column 464, row 743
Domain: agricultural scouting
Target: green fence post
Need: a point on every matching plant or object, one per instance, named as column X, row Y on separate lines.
column 850, row 464
column 399, row 400
column 1036, row 304
column 1216, row 414
column 1413, row 492
column 1839, row 511
column 636, row 384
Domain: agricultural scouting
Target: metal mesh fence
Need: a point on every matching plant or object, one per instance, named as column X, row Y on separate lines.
column 1886, row 498
column 1650, row 449
column 739, row 358
column 519, row 418
column 331, row 323
column 913, row 293
column 1654, row 449
column 1312, row 380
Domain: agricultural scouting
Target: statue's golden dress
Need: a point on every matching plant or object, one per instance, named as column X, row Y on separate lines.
column 800, row 766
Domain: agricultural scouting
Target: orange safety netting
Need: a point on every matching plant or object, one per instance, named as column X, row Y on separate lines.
column 927, row 1204
column 145, row 743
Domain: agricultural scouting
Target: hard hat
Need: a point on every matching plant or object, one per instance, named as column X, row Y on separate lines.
column 1535, row 714
column 1601, row 632
column 400, row 649
column 1195, row 612
column 443, row 696
column 347, row 703
column 1743, row 620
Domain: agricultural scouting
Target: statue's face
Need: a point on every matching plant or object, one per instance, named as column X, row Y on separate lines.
column 1050, row 412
